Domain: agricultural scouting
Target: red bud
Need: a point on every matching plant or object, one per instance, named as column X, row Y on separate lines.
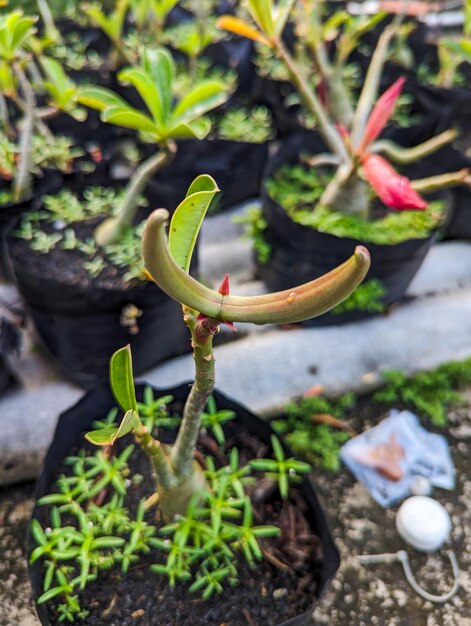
column 381, row 113
column 390, row 187
column 224, row 286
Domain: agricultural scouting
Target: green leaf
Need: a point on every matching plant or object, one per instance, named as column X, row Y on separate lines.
column 262, row 12
column 281, row 15
column 38, row 533
column 121, row 379
column 197, row 129
column 103, row 436
column 51, row 593
column 142, row 82
column 99, row 98
column 129, row 118
column 188, row 217
column 130, row 421
column 160, row 66
column 200, row 100
column 23, row 29
column 107, row 542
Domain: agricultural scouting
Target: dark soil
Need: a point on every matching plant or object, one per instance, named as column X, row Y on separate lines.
column 66, row 266
column 276, row 590
column 374, row 595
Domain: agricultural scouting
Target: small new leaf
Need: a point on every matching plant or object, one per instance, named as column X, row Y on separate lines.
column 102, row 437
column 188, row 217
column 121, row 379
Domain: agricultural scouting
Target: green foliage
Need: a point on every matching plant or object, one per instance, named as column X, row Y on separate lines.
column 318, row 443
column 366, row 297
column 187, row 219
column 200, row 547
column 111, row 23
column 429, row 393
column 281, row 469
column 297, row 188
column 212, row 419
column 188, row 36
column 203, row 70
column 15, row 32
column 255, row 226
column 61, row 89
column 254, row 125
column 55, row 152
column 164, row 119
column 403, row 114
column 95, row 537
column 154, row 412
column 65, row 212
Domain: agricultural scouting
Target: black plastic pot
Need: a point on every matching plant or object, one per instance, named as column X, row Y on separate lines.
column 236, row 166
column 458, row 115
column 81, row 326
column 76, row 421
column 300, row 253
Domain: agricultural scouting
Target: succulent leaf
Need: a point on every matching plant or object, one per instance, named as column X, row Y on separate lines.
column 300, row 303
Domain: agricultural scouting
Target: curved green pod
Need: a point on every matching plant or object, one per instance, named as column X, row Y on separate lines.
column 283, row 307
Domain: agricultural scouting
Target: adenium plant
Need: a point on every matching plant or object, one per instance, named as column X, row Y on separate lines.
column 350, row 130
column 165, row 121
column 26, row 70
column 179, row 477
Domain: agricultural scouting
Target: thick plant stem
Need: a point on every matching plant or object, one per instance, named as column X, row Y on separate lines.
column 340, row 99
column 48, row 21
column 326, row 127
column 404, row 156
column 4, row 118
column 112, row 229
column 441, row 181
column 23, row 182
column 202, row 332
column 347, row 193
column 160, row 461
column 370, row 89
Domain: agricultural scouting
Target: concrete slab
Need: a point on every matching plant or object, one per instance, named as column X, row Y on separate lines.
column 267, row 370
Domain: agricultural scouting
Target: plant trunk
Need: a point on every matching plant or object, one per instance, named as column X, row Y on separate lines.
column 112, row 229
column 347, row 193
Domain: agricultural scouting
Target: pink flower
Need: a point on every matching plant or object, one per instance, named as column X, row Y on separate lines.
column 392, row 189
column 380, row 114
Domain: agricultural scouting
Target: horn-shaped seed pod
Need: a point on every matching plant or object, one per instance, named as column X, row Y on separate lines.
column 283, row 307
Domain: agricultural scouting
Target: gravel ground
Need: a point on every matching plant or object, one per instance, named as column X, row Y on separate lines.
column 360, row 595
column 378, row 595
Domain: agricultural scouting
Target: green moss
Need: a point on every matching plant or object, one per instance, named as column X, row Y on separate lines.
column 366, row 297
column 255, row 227
column 298, row 188
column 56, row 227
column 429, row 393
column 318, row 444
column 5, row 197
column 253, row 125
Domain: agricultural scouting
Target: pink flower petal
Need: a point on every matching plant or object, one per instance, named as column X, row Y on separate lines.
column 381, row 113
column 392, row 189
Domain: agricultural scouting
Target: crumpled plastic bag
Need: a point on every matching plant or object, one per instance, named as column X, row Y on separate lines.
column 387, row 457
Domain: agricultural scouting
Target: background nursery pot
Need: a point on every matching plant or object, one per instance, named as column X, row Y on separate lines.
column 299, row 252
column 82, row 325
column 77, row 420
column 50, row 182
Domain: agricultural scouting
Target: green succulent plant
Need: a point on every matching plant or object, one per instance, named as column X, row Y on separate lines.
column 162, row 123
